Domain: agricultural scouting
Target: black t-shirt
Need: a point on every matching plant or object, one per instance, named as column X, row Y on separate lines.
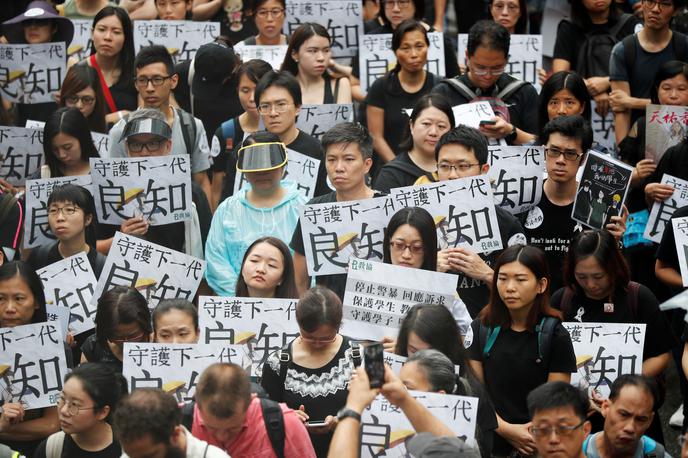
column 511, row 371
column 95, row 259
column 236, row 25
column 33, row 112
column 486, row 419
column 97, row 353
column 397, row 173
column 522, row 104
column 659, row 338
column 551, row 232
column 71, row 449
column 388, row 94
column 124, row 94
column 310, row 146
column 666, row 252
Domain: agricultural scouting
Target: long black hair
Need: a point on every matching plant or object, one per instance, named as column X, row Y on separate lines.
column 422, row 221
column 433, row 100
column 125, row 59
column 103, row 385
column 572, row 82
column 68, row 121
column 298, row 38
column 434, row 325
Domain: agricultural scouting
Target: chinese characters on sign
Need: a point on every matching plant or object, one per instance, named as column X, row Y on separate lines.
column 681, row 237
column 181, row 38
column 273, row 55
column 21, row 153
column 665, row 126
column 661, row 211
column 32, row 73
column 603, row 127
column 315, row 120
column 80, row 47
column 516, row 174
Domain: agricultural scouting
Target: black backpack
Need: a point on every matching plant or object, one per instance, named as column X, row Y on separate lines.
column 594, row 54
column 272, row 416
column 678, row 41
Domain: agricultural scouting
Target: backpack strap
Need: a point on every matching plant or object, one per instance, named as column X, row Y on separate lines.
column 461, row 88
column 54, row 445
column 189, row 80
column 228, row 130
column 510, row 89
column 545, row 333
column 188, row 130
column 490, row 337
column 633, row 291
column 356, row 356
column 336, row 89
column 284, row 357
column 188, row 414
column 630, row 45
column 620, row 23
column 274, row 425
column 652, row 448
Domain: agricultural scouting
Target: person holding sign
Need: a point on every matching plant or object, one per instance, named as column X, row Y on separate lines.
column 85, row 407
column 311, row 374
column 399, row 89
column 22, row 301
column 598, row 290
column 267, row 271
column 81, row 89
column 268, row 16
column 518, row 344
column 269, row 206
column 307, row 58
column 432, row 117
column 175, row 321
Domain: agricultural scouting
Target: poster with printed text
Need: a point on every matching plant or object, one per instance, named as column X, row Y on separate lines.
column 273, row 55
column 156, row 188
column 102, row 141
column 680, row 226
column 470, row 114
column 32, row 73
column 263, row 325
column 334, row 232
column 80, row 47
column 59, row 316
column 36, row 228
column 601, row 191
column 21, row 153
column 315, row 120
column 301, row 169
column 378, row 296
column 342, row 18
column 463, row 211
column 175, row 368
column 661, row 212
column 525, row 57
column 376, row 57
column 395, row 362
column 155, row 271
column 516, row 173
column 665, row 126
column 603, row 128
column 69, row 284
column 604, row 351
column 181, row 38
column 384, row 427
column 32, row 365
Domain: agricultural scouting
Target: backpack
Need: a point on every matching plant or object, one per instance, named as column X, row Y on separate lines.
column 545, row 331
column 630, row 43
column 633, row 291
column 54, row 445
column 651, row 448
column 189, row 131
column 272, row 417
column 497, row 103
column 594, row 54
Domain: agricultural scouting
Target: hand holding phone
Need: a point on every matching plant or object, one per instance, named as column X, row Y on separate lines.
column 316, row 423
column 487, row 122
column 374, row 365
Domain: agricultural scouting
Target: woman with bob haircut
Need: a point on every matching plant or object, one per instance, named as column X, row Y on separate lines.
column 81, row 89
column 67, row 145
column 311, row 374
column 308, row 57
column 267, row 270
column 563, row 94
column 505, row 351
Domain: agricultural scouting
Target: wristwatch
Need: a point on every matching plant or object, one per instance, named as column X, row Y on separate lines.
column 512, row 136
column 346, row 412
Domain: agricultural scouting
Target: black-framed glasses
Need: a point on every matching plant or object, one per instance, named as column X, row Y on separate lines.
column 561, row 430
column 569, row 154
column 72, row 409
column 661, row 3
column 68, row 210
column 85, row 99
column 142, row 81
column 447, row 167
column 399, row 246
column 151, row 146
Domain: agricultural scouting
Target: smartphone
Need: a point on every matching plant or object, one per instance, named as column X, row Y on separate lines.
column 487, row 122
column 373, row 364
column 315, row 423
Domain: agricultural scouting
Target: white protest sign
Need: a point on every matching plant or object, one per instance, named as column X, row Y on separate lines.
column 32, row 73
column 175, row 368
column 341, row 18
column 32, row 365
column 102, row 141
column 470, row 114
column 59, row 316
column 157, row 188
column 315, row 120
column 661, row 211
column 463, row 211
column 301, row 169
column 21, row 153
column 680, row 301
column 555, row 11
column 603, row 127
column 384, row 427
column 80, row 47
column 681, row 237
column 263, row 325
column 36, row 228
column 516, row 174
column 181, row 38
column 665, row 126
column 378, row 296
column 333, row 232
column 376, row 56
column 273, row 55
column 70, row 283
column 525, row 56
column 603, row 352
column 157, row 272
column 396, row 362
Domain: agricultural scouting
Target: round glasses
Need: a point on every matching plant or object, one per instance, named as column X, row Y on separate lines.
column 72, row 409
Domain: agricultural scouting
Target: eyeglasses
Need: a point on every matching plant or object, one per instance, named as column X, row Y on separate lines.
column 85, row 100
column 446, row 167
column 568, row 103
column 561, row 430
column 402, row 4
column 479, row 70
column 399, row 246
column 151, row 146
column 319, row 341
column 135, row 338
column 66, row 211
column 569, row 154
column 276, row 13
column 142, row 81
column 510, row 7
column 72, row 409
column 279, row 107
column 662, row 4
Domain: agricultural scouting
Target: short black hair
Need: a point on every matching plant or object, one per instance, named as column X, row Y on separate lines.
column 490, row 35
column 569, row 126
column 468, row 137
column 154, row 54
column 644, row 383
column 147, row 411
column 347, row 133
column 284, row 80
column 554, row 395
